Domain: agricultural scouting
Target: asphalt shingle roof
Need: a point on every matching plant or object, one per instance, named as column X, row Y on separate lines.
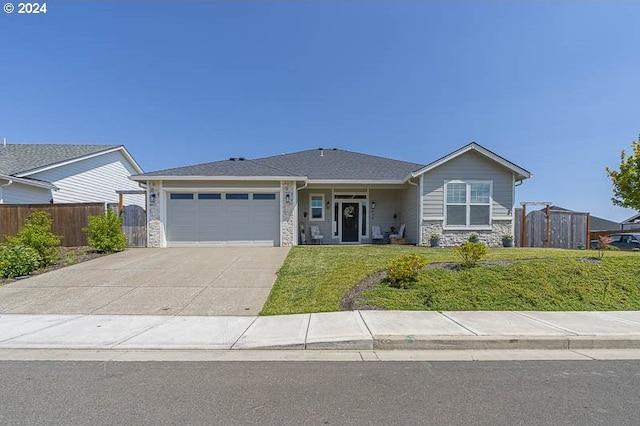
column 235, row 167
column 315, row 164
column 333, row 164
column 20, row 158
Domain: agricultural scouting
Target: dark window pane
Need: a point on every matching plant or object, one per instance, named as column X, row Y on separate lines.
column 479, row 215
column 237, row 196
column 209, row 196
column 457, row 215
column 364, row 220
column 316, row 213
column 264, row 196
column 181, row 196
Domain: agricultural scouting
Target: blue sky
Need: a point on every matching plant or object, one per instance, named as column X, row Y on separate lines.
column 551, row 86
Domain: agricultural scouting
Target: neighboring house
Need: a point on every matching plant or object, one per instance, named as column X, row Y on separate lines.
column 48, row 173
column 596, row 223
column 271, row 200
column 632, row 223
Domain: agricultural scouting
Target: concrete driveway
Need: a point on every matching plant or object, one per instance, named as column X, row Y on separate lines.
column 173, row 281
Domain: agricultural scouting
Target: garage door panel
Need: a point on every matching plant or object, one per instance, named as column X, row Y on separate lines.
column 213, row 219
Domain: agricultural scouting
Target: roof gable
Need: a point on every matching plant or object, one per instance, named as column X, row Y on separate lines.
column 24, row 159
column 519, row 171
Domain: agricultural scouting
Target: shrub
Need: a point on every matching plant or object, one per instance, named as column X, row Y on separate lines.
column 104, row 233
column 473, row 237
column 36, row 233
column 507, row 237
column 603, row 244
column 470, row 253
column 17, row 260
column 405, row 268
column 435, row 236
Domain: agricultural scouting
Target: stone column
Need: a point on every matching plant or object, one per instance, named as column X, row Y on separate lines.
column 154, row 222
column 287, row 225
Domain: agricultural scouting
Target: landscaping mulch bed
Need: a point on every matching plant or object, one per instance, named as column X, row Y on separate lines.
column 68, row 256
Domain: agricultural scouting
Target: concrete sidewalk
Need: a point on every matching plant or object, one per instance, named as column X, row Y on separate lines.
column 354, row 330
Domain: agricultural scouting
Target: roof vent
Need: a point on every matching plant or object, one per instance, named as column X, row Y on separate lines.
column 335, row 149
column 241, row 159
column 232, row 159
column 321, row 152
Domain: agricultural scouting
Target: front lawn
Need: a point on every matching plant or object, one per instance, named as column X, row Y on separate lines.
column 315, row 278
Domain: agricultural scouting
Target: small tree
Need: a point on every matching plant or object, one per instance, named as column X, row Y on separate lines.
column 104, row 233
column 626, row 181
column 36, row 233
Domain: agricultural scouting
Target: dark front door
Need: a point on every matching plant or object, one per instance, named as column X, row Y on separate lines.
column 350, row 213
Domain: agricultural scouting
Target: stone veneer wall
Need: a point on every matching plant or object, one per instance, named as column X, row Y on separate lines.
column 287, row 226
column 153, row 214
column 455, row 238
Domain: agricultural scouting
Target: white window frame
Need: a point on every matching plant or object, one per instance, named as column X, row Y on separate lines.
column 468, row 205
column 311, row 218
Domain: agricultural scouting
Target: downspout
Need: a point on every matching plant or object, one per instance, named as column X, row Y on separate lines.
column 9, row 182
column 419, row 219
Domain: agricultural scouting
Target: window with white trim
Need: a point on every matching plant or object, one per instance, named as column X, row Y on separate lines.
column 316, row 206
column 468, row 204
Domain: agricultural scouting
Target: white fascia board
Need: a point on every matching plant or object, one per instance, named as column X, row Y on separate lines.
column 524, row 174
column 30, row 182
column 217, row 178
column 75, row 160
column 356, row 182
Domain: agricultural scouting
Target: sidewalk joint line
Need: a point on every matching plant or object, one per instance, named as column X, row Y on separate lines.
column 365, row 323
column 243, row 333
column 306, row 334
column 557, row 327
column 457, row 323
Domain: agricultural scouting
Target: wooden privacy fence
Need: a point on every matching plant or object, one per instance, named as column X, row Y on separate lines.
column 134, row 224
column 67, row 219
column 563, row 229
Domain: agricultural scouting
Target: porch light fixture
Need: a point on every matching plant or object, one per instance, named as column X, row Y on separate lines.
column 328, row 205
column 287, row 198
column 373, row 205
column 305, row 214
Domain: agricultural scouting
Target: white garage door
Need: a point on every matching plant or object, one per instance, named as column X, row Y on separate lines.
column 219, row 218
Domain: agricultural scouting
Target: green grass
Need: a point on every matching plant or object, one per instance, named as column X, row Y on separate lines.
column 542, row 285
column 314, row 279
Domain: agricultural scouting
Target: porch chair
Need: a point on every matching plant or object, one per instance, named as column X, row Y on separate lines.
column 399, row 237
column 316, row 237
column 376, row 235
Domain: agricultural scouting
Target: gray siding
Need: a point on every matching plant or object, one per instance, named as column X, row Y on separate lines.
column 409, row 203
column 387, row 205
column 468, row 166
column 220, row 184
column 17, row 193
column 324, row 225
column 94, row 179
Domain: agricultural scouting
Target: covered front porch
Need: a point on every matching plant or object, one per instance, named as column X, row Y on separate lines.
column 346, row 215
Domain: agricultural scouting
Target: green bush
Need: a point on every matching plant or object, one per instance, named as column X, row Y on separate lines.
column 104, row 233
column 36, row 233
column 405, row 268
column 470, row 253
column 17, row 260
column 473, row 237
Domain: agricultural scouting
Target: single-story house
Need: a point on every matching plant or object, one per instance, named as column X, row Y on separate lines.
column 341, row 194
column 632, row 223
column 57, row 173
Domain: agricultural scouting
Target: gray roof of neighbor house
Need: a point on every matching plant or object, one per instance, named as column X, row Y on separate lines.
column 313, row 164
column 597, row 223
column 18, row 159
